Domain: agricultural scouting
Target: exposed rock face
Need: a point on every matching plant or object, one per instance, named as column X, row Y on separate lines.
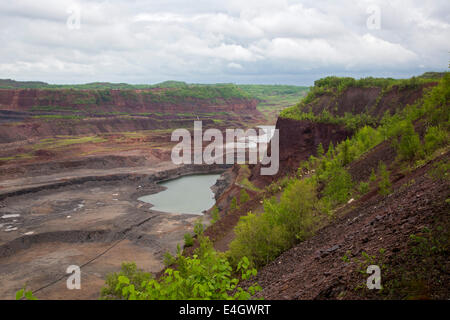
column 118, row 100
column 225, row 180
column 35, row 113
column 10, row 132
column 299, row 140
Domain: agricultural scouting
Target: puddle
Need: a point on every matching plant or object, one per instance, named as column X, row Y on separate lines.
column 189, row 194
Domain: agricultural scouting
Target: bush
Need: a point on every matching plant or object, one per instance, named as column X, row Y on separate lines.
column 134, row 275
column 263, row 236
column 205, row 275
column 338, row 185
column 363, row 187
column 198, row 227
column 168, row 259
column 385, row 182
column 233, row 204
column 373, row 176
column 244, row 197
column 188, row 240
column 408, row 145
column 215, row 215
column 434, row 139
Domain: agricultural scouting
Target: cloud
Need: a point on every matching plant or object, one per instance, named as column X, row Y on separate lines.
column 257, row 41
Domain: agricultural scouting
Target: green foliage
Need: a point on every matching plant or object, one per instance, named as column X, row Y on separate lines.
column 244, row 197
column 188, row 240
column 168, row 259
column 408, row 144
column 363, row 187
column 129, row 271
column 215, row 215
column 320, row 150
column 205, row 275
column 233, row 204
column 263, row 236
column 440, row 171
column 373, row 176
column 385, row 183
column 437, row 102
column 277, row 186
column 351, row 121
column 25, row 294
column 338, row 185
column 198, row 227
column 435, row 138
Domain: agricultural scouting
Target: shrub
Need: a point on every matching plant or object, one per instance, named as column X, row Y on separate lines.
column 134, row 275
column 373, row 175
column 188, row 240
column 198, row 227
column 337, row 185
column 434, row 138
column 385, row 182
column 215, row 215
column 168, row 259
column 320, row 150
column 263, row 236
column 408, row 145
column 363, row 187
column 436, row 102
column 244, row 197
column 233, row 204
column 205, row 275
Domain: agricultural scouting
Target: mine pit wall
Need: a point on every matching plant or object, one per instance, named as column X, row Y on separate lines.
column 298, row 141
column 11, row 132
column 120, row 100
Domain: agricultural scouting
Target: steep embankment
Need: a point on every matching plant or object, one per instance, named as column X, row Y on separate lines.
column 332, row 115
column 34, row 113
column 405, row 233
column 394, row 210
column 150, row 100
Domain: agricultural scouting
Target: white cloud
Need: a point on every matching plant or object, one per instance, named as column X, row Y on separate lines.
column 234, row 65
column 215, row 41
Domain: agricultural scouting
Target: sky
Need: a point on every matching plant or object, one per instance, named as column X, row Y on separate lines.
column 239, row 41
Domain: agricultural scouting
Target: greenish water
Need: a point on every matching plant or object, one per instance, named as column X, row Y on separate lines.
column 189, row 194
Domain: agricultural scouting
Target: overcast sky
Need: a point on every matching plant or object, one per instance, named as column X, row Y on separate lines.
column 240, row 41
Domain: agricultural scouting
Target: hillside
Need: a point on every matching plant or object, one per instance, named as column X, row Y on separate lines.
column 365, row 184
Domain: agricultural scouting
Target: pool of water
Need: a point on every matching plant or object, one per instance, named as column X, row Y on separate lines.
column 189, row 194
